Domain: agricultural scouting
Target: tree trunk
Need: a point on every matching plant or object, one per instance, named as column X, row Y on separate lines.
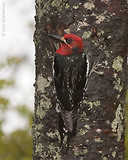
column 103, row 26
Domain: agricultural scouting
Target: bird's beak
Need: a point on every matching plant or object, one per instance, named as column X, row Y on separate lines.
column 56, row 37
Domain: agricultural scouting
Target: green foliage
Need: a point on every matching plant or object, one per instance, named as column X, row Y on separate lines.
column 14, row 60
column 26, row 113
column 4, row 83
column 126, row 129
column 18, row 144
column 3, row 103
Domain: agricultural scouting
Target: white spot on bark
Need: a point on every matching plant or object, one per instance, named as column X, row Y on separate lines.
column 105, row 1
column 117, row 63
column 100, row 19
column 92, row 104
column 107, row 122
column 82, row 24
column 100, row 151
column 79, row 152
column 98, row 130
column 53, row 134
column 75, row 7
column 56, row 3
column 82, row 132
column 42, row 83
column 117, row 125
column 45, row 102
column 117, row 83
column 38, row 148
column 87, row 126
column 114, row 154
column 86, row 34
column 89, row 5
column 98, row 139
column 40, row 112
column 67, row 30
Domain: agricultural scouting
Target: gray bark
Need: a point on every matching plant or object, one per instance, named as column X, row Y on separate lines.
column 103, row 26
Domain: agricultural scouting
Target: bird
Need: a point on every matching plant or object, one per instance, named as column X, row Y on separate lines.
column 70, row 67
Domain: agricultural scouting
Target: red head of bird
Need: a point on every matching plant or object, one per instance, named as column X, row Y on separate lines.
column 68, row 42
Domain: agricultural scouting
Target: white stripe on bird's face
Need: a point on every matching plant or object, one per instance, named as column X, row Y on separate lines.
column 87, row 61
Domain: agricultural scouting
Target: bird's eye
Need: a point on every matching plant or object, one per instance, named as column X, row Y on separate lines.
column 69, row 40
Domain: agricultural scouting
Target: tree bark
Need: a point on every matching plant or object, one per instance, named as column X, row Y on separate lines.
column 103, row 26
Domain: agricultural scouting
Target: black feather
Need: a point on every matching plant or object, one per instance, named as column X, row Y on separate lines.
column 70, row 78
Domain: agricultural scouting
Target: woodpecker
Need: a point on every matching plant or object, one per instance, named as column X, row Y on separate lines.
column 70, row 68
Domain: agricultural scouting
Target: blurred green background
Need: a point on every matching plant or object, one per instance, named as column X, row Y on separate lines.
column 17, row 144
column 126, row 129
column 16, row 78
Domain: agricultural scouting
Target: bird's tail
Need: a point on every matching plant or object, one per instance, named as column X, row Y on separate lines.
column 70, row 120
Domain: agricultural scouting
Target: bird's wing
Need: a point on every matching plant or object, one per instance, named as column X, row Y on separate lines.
column 70, row 79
